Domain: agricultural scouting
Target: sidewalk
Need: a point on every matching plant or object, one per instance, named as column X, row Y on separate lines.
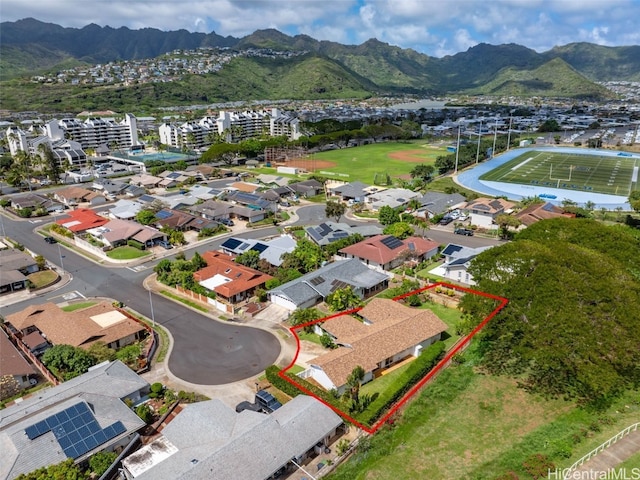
column 231, row 393
column 610, row 458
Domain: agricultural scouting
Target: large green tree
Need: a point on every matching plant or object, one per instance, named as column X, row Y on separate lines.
column 66, row 361
column 572, row 325
column 343, row 299
column 388, row 215
column 335, row 209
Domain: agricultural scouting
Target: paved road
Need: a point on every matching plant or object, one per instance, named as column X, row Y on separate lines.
column 205, row 351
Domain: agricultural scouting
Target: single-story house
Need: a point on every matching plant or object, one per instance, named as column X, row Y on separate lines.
column 387, row 332
column 109, row 187
column 272, row 181
column 75, row 420
column 145, row 180
column 211, row 210
column 437, row 203
column 174, row 219
column 251, row 200
column 483, row 211
column 117, row 232
column 125, row 209
column 210, row 441
column 457, row 259
column 329, row 232
column 80, row 328
column 312, row 288
column 276, row 194
column 14, row 368
column 12, row 281
column 13, row 259
column 307, row 188
column 35, row 201
column 269, row 250
column 354, row 191
column 540, row 211
column 391, row 197
column 389, row 252
column 82, row 219
column 249, row 214
column 231, row 281
column 245, row 187
column 70, row 196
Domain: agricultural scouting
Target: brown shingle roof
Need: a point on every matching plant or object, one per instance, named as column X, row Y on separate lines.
column 11, row 361
column 393, row 329
column 374, row 250
column 539, row 211
column 73, row 328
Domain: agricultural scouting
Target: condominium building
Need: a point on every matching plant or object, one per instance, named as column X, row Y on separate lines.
column 230, row 126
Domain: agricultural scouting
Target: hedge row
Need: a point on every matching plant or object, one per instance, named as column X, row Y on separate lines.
column 293, row 391
column 412, row 375
column 136, row 244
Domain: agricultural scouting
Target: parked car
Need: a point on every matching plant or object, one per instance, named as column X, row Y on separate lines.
column 227, row 222
column 50, row 240
column 446, row 220
column 267, row 402
column 464, row 231
column 165, row 244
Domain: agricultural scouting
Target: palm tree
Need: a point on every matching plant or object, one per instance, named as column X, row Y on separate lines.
column 354, row 381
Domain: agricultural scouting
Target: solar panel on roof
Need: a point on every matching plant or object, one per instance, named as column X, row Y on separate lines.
column 340, row 234
column 547, row 207
column 316, row 280
column 76, row 430
column 412, row 246
column 259, row 247
column 391, row 242
column 163, row 214
column 231, row 243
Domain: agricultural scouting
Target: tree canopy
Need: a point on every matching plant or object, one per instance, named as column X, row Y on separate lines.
column 335, row 209
column 572, row 325
column 67, row 362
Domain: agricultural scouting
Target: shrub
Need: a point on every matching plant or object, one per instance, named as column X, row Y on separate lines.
column 157, row 390
column 414, row 373
column 538, row 465
column 145, row 413
column 136, row 244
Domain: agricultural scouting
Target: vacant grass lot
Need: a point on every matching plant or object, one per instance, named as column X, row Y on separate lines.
column 126, row 253
column 475, row 426
column 570, row 171
column 363, row 163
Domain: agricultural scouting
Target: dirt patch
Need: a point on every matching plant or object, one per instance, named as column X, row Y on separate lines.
column 412, row 156
column 308, row 164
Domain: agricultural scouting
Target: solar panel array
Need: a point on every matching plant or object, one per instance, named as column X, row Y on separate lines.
column 163, row 214
column 231, row 243
column 316, row 280
column 391, row 242
column 259, row 247
column 76, row 430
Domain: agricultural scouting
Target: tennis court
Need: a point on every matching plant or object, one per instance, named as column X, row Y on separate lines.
column 589, row 173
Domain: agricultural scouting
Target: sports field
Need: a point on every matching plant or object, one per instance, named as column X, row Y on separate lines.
column 363, row 163
column 612, row 175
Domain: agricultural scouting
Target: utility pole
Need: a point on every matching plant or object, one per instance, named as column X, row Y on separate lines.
column 509, row 135
column 495, row 137
column 455, row 170
column 478, row 149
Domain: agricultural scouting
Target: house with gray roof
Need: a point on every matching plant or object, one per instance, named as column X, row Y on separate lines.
column 329, row 232
column 307, row 188
column 314, row 287
column 437, row 203
column 210, row 441
column 391, row 197
column 269, row 250
column 75, row 419
column 211, row 210
column 125, row 209
column 457, row 259
column 354, row 191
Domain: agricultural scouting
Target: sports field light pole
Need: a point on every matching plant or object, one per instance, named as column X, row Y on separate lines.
column 495, row 137
column 455, row 170
column 153, row 317
column 478, row 149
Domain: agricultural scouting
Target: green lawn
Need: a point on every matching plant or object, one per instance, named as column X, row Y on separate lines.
column 42, row 278
column 363, row 163
column 569, row 171
column 446, row 184
column 476, row 426
column 632, row 462
column 78, row 306
column 450, row 316
column 127, row 253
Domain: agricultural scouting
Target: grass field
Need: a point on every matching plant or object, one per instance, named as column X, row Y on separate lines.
column 570, row 171
column 363, row 163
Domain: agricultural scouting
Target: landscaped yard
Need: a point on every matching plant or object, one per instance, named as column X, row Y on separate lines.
column 186, row 301
column 78, row 306
column 42, row 278
column 127, row 253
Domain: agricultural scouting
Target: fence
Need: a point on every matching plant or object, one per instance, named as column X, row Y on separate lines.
column 23, row 348
column 599, row 449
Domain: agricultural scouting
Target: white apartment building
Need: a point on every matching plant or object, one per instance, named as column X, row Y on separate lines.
column 67, row 152
column 231, row 126
column 94, row 132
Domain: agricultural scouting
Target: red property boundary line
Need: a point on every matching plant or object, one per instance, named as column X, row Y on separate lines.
column 439, row 366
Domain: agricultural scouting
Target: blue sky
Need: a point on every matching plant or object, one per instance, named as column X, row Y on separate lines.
column 434, row 27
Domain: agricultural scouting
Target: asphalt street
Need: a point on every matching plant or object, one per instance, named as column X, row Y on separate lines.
column 205, row 351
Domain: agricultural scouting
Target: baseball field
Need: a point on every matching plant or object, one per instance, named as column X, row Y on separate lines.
column 364, row 163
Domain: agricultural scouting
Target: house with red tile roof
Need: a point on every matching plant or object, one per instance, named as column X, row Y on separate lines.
column 384, row 333
column 80, row 328
column 82, row 219
column 231, row 281
column 389, row 252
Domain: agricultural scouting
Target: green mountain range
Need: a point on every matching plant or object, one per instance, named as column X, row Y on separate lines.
column 327, row 70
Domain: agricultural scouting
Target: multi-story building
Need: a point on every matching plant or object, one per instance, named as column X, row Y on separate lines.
column 230, row 126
